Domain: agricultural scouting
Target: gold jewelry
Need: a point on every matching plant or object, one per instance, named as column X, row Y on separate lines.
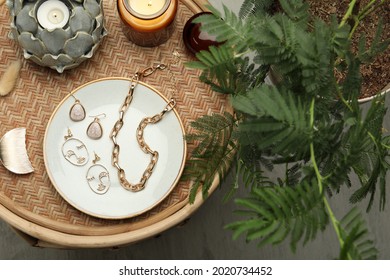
column 95, row 129
column 74, row 150
column 77, row 111
column 98, row 177
column 118, row 125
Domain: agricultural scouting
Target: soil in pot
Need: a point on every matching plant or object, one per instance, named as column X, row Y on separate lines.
column 376, row 75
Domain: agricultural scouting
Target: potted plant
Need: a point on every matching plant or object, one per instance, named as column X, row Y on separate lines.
column 310, row 122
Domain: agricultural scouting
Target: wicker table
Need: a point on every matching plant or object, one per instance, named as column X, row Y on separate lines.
column 30, row 203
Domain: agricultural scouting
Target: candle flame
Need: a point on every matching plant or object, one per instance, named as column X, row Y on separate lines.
column 150, row 3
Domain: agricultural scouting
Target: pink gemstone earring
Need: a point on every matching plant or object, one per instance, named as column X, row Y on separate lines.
column 95, row 129
column 77, row 111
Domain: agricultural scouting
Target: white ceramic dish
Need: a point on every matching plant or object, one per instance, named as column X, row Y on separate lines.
column 167, row 137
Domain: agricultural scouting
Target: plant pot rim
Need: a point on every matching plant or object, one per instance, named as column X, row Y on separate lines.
column 383, row 92
column 274, row 79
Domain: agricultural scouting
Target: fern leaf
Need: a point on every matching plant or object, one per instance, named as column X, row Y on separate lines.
column 277, row 44
column 356, row 242
column 296, row 10
column 254, row 8
column 216, row 57
column 274, row 120
column 228, row 29
column 340, row 37
column 249, row 172
column 213, row 154
column 226, row 73
column 372, row 166
column 377, row 45
column 351, row 86
column 275, row 213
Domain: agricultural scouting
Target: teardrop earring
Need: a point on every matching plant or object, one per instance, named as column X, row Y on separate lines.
column 77, row 111
column 95, row 129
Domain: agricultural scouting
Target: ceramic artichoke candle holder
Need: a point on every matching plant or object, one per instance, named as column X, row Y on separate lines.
column 58, row 47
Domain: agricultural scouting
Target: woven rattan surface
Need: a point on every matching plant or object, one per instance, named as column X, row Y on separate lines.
column 39, row 90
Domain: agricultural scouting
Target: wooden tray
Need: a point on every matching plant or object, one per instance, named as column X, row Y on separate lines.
column 30, row 203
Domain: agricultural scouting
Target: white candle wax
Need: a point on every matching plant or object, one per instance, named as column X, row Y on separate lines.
column 147, row 7
column 53, row 14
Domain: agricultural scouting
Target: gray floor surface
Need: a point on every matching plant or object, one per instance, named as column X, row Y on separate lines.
column 204, row 237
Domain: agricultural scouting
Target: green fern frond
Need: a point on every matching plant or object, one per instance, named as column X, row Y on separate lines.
column 377, row 45
column 228, row 74
column 277, row 212
column 252, row 174
column 277, row 119
column 314, row 56
column 277, row 43
column 254, row 8
column 296, row 10
column 373, row 176
column 372, row 165
column 215, row 58
column 214, row 153
column 293, row 174
column 356, row 242
column 351, row 86
column 340, row 37
column 229, row 29
column 248, row 171
column 374, row 118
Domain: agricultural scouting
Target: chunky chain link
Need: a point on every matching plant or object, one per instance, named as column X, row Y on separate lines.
column 140, row 132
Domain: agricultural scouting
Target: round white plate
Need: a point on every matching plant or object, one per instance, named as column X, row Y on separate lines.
column 105, row 96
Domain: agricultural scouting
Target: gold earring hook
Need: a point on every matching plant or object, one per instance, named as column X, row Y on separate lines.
column 75, row 99
column 70, row 135
column 97, row 158
column 97, row 116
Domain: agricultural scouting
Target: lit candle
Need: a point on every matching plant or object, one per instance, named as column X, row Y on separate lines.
column 53, row 14
column 148, row 23
column 148, row 9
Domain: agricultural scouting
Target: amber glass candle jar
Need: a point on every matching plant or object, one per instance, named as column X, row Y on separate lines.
column 148, row 23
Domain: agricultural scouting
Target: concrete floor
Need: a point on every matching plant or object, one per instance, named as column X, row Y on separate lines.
column 203, row 237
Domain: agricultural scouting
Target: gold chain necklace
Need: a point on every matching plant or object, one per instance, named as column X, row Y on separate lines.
column 140, row 132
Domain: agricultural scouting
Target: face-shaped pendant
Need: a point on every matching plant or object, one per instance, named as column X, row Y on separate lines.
column 75, row 152
column 98, row 179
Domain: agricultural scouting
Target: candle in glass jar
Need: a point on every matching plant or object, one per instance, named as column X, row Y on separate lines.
column 148, row 8
column 148, row 22
column 53, row 14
